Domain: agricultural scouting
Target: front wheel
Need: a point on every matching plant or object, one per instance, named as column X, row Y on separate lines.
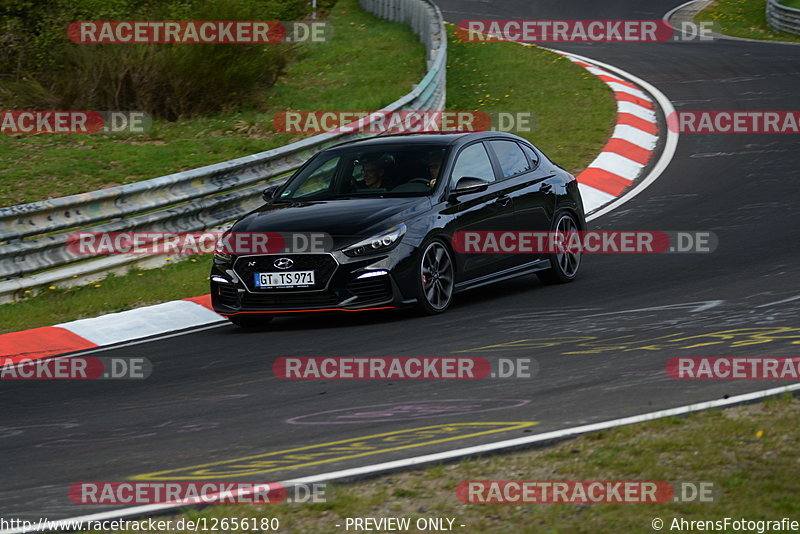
column 563, row 266
column 435, row 278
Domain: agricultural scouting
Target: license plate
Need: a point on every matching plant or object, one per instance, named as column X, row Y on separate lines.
column 287, row 279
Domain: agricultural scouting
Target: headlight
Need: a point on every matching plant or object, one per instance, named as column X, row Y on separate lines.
column 221, row 254
column 378, row 243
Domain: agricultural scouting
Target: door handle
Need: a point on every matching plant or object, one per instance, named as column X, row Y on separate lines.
column 504, row 201
column 546, row 187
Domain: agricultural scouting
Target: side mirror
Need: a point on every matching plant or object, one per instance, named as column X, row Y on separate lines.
column 269, row 193
column 467, row 185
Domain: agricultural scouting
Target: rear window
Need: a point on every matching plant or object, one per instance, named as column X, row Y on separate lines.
column 531, row 153
column 512, row 159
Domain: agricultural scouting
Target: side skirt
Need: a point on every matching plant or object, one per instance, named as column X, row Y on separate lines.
column 507, row 274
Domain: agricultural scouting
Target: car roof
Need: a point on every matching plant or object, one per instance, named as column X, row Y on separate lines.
column 444, row 138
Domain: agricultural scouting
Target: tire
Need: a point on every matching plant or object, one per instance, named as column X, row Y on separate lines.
column 435, row 278
column 563, row 267
column 250, row 320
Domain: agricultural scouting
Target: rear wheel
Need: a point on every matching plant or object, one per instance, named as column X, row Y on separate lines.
column 563, row 266
column 435, row 278
column 250, row 320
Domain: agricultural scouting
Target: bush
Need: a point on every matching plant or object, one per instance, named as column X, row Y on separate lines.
column 42, row 69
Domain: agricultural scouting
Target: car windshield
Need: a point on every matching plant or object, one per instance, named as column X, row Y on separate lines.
column 379, row 171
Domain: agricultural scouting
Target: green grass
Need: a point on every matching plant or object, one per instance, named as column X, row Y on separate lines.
column 792, row 3
column 44, row 166
column 748, row 452
column 574, row 111
column 534, row 80
column 745, row 18
column 113, row 294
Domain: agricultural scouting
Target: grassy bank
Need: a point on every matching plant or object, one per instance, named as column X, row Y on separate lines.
column 745, row 18
column 573, row 110
column 112, row 294
column 49, row 165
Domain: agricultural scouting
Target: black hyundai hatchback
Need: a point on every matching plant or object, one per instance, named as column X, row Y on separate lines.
column 392, row 206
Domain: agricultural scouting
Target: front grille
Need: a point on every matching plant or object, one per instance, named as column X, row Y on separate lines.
column 373, row 288
column 323, row 266
column 227, row 295
column 295, row 300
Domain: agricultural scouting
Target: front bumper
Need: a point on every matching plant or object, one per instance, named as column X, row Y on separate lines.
column 342, row 283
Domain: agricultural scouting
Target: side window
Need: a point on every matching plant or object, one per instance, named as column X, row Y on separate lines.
column 473, row 161
column 532, row 155
column 512, row 159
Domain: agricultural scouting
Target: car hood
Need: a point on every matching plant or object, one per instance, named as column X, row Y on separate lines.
column 345, row 220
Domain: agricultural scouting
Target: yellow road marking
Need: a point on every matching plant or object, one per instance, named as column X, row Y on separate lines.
column 333, row 451
column 733, row 338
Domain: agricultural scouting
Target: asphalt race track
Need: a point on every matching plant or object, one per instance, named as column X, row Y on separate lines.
column 601, row 343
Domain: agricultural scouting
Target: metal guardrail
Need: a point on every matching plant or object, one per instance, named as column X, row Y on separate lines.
column 33, row 236
column 783, row 18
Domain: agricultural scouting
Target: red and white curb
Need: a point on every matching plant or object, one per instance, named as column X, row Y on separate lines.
column 604, row 185
column 108, row 329
column 631, row 145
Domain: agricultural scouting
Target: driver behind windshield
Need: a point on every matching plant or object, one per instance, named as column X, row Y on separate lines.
column 433, row 162
column 374, row 173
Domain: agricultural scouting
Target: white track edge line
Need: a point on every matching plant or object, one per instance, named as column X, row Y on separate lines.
column 456, row 453
column 670, row 144
column 721, row 36
column 668, row 14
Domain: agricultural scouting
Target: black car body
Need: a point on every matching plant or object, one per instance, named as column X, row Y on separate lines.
column 484, row 181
